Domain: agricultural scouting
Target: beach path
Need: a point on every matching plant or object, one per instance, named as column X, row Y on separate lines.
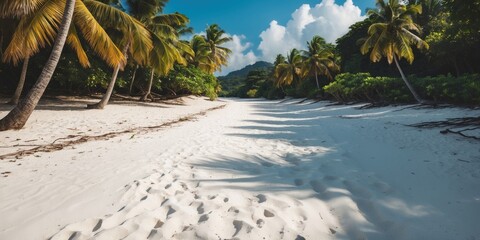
column 255, row 169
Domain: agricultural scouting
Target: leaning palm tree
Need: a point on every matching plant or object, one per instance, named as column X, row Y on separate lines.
column 319, row 60
column 136, row 41
column 394, row 35
column 30, row 24
column 290, row 71
column 215, row 38
column 49, row 21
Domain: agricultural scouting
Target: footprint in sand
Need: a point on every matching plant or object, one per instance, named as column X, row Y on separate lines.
column 357, row 190
column 268, row 214
column 233, row 209
column 261, row 198
column 239, row 225
column 260, row 223
column 203, row 218
column 317, row 186
column 152, row 234
column 200, row 209
column 299, row 237
column 170, row 211
column 159, row 224
column 98, row 226
column 298, row 182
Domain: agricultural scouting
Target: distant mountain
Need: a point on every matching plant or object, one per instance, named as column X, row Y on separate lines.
column 261, row 65
column 232, row 82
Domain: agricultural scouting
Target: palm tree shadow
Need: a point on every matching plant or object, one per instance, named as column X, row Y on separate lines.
column 321, row 175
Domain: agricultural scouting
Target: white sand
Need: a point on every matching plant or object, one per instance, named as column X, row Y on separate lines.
column 253, row 170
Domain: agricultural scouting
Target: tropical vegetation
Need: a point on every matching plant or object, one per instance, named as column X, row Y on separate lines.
column 404, row 51
column 133, row 38
column 432, row 46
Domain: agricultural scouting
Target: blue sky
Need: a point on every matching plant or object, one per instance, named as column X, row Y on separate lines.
column 256, row 36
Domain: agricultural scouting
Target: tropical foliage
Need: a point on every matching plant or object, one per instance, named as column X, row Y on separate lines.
column 393, row 35
column 113, row 31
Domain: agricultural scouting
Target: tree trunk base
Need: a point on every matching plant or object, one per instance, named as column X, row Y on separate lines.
column 95, row 106
column 147, row 96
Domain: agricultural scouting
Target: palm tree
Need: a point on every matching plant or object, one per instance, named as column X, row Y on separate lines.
column 167, row 50
column 136, row 42
column 290, row 71
column 279, row 59
column 214, row 38
column 319, row 59
column 201, row 54
column 394, row 35
column 26, row 43
column 17, row 118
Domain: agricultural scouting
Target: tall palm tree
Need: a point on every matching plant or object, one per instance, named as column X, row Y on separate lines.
column 319, row 59
column 17, row 118
column 26, row 43
column 394, row 35
column 51, row 19
column 215, row 38
column 290, row 71
column 168, row 49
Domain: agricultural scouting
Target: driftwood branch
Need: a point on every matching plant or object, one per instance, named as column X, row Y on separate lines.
column 462, row 124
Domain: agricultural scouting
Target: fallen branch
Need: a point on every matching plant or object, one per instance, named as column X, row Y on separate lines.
column 461, row 132
column 72, row 140
column 453, row 123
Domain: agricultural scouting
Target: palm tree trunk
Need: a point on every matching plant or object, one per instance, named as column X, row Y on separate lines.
column 316, row 78
column 410, row 87
column 21, row 82
column 17, row 118
column 133, row 80
column 111, row 85
column 150, row 84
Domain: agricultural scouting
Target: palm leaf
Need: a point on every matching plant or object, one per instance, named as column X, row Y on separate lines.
column 96, row 36
column 74, row 42
column 35, row 31
column 135, row 34
column 19, row 8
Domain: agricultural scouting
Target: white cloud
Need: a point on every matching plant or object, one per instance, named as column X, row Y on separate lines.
column 326, row 19
column 240, row 56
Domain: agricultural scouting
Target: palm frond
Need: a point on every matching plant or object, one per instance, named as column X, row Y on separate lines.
column 95, row 35
column 74, row 42
column 35, row 31
column 133, row 30
column 19, row 8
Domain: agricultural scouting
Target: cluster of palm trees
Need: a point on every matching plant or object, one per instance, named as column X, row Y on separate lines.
column 318, row 60
column 138, row 33
column 391, row 36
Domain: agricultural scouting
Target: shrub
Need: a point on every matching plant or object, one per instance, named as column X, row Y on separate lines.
column 190, row 80
column 363, row 87
column 252, row 93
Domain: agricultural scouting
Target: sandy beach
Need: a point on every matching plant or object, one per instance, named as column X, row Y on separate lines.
column 239, row 169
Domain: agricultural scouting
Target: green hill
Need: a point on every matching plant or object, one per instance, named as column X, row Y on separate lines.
column 236, row 79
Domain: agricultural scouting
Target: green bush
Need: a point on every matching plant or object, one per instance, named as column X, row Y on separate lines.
column 252, row 93
column 443, row 89
column 189, row 80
